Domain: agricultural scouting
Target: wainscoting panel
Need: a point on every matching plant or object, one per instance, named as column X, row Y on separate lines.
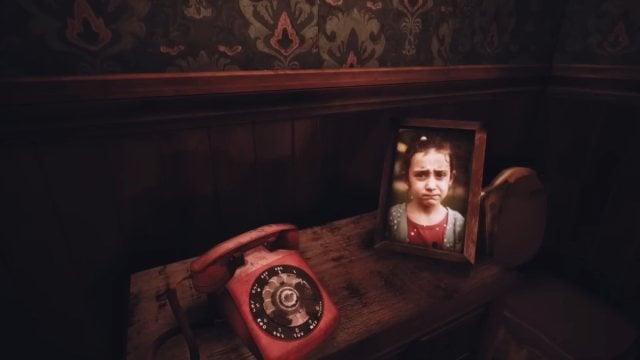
column 591, row 118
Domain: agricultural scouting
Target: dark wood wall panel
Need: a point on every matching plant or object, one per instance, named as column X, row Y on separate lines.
column 616, row 172
column 569, row 140
column 591, row 172
column 37, row 259
column 374, row 129
column 273, row 182
column 511, row 129
column 187, row 183
column 609, row 205
column 309, row 168
column 83, row 195
column 138, row 172
column 345, row 137
column 233, row 162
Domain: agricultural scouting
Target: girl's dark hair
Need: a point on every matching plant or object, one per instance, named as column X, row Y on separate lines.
column 423, row 143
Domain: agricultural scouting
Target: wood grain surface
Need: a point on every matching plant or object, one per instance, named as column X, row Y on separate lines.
column 385, row 300
column 30, row 90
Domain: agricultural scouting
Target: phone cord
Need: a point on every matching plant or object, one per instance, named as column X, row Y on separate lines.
column 183, row 323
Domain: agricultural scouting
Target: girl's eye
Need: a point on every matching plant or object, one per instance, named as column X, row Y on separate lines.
column 440, row 174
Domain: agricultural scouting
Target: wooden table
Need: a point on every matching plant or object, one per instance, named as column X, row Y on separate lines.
column 387, row 301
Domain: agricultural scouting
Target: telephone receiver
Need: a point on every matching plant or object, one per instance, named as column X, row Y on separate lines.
column 268, row 293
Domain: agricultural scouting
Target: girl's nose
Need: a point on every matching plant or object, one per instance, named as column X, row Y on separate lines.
column 431, row 183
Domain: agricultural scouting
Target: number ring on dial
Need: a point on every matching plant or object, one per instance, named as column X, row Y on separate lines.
column 285, row 302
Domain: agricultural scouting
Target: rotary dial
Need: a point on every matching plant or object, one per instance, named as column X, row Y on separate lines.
column 285, row 302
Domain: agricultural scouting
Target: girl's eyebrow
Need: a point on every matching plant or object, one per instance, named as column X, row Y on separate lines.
column 428, row 170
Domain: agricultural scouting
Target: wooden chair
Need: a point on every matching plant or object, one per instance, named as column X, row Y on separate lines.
column 544, row 317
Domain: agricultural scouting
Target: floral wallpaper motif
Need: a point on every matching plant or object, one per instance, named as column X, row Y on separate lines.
column 81, row 37
column 601, row 32
column 494, row 24
column 78, row 37
column 283, row 29
column 411, row 23
column 197, row 9
column 351, row 39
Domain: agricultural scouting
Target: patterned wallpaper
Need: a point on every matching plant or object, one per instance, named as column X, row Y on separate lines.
column 600, row 32
column 70, row 37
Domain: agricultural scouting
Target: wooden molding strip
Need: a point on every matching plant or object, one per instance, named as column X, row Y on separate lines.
column 604, row 72
column 602, row 82
column 582, row 93
column 109, row 87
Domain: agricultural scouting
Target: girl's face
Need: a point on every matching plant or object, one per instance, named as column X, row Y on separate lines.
column 430, row 177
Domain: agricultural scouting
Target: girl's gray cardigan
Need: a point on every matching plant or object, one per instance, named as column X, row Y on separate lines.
column 453, row 236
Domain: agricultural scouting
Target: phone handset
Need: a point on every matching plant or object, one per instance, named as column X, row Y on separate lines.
column 212, row 270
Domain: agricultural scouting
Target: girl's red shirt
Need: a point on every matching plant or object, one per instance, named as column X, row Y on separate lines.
column 427, row 235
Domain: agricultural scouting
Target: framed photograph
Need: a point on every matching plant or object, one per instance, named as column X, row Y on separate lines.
column 430, row 189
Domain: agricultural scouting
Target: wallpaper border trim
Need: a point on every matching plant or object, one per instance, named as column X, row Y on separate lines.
column 110, row 87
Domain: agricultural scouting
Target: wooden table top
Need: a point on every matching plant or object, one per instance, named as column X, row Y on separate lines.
column 385, row 299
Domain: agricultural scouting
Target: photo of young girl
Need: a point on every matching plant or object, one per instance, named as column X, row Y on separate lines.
column 429, row 191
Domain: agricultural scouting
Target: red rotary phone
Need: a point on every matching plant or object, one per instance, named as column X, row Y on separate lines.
column 270, row 296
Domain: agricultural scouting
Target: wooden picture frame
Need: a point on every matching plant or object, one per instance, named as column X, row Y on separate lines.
column 438, row 216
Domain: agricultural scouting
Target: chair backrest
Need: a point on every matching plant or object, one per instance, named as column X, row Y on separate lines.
column 515, row 206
